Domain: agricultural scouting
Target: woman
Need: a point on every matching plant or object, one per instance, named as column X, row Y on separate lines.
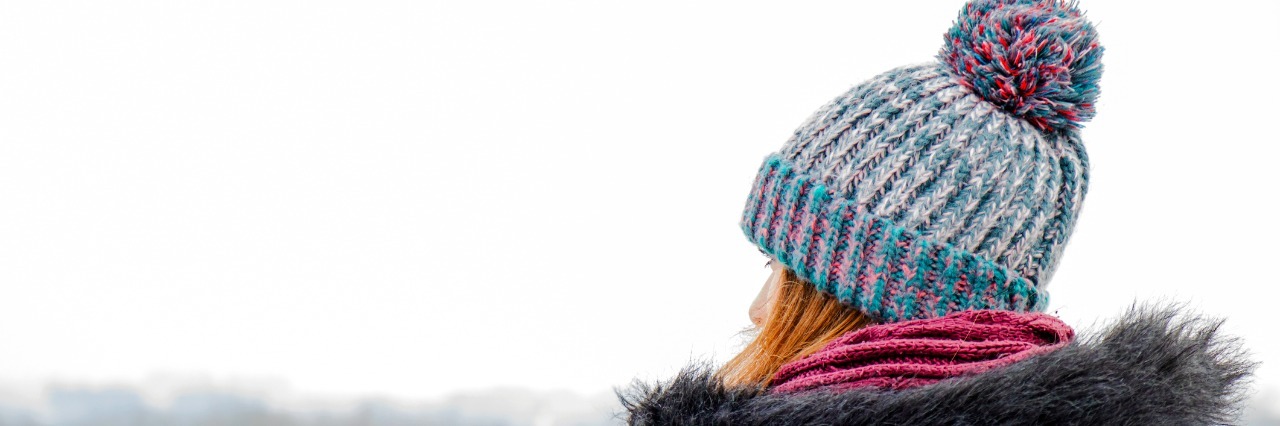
column 913, row 224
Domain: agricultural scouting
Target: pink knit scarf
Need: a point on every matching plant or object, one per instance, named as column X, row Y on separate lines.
column 913, row 353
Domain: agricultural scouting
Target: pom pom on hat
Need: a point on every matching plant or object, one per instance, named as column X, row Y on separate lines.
column 1039, row 60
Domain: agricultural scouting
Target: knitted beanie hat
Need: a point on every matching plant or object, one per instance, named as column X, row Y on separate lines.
column 946, row 186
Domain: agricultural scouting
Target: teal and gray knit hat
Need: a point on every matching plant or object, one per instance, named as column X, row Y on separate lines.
column 946, row 186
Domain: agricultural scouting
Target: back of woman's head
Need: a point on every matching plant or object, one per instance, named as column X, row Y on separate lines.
column 930, row 189
column 943, row 186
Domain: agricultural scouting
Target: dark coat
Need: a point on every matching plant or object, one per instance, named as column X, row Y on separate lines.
column 1153, row 367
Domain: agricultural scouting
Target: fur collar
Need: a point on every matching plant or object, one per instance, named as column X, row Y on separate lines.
column 1154, row 366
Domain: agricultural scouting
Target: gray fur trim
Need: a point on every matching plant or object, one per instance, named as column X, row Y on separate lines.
column 1153, row 367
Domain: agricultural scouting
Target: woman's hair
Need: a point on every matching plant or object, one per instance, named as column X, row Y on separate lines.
column 801, row 321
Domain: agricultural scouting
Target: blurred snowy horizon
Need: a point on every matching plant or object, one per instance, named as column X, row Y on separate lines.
column 189, row 402
column 171, row 400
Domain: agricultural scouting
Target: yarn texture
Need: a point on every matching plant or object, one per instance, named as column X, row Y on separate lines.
column 1039, row 60
column 946, row 186
column 921, row 352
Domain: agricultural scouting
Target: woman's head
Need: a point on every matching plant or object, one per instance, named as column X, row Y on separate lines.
column 933, row 188
column 930, row 189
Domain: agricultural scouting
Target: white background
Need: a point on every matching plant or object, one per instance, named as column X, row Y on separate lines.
column 412, row 199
